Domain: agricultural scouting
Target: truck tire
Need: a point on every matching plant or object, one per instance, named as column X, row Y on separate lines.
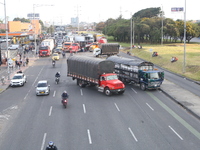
column 107, row 92
column 143, row 86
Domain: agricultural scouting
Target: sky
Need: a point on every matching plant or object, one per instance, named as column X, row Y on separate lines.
column 62, row 11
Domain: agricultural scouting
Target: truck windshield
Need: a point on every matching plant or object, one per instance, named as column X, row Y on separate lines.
column 154, row 75
column 112, row 77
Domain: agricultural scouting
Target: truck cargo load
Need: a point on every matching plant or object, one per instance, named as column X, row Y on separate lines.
column 93, row 71
column 106, row 49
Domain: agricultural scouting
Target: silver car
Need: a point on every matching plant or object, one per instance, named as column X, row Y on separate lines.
column 42, row 88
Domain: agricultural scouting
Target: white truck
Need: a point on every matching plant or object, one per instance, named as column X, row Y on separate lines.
column 19, row 79
column 106, row 49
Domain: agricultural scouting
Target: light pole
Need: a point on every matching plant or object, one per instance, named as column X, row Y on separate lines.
column 6, row 37
column 162, row 29
column 184, row 58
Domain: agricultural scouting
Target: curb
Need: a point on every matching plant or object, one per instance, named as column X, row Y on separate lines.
column 186, row 108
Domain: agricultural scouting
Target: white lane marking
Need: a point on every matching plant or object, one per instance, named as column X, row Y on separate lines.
column 84, row 109
column 150, row 106
column 175, row 132
column 81, row 91
column 133, row 90
column 132, row 134
column 54, row 93
column 27, row 94
column 38, row 76
column 50, row 111
column 43, row 141
column 89, row 136
column 117, row 107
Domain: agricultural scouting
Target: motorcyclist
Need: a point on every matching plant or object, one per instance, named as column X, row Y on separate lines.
column 51, row 146
column 63, row 54
column 57, row 75
column 53, row 62
column 64, row 95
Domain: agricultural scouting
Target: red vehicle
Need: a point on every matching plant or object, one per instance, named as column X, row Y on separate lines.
column 66, row 46
column 96, row 72
column 44, row 51
column 75, row 47
column 101, row 40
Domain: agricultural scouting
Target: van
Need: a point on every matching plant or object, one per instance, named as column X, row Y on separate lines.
column 16, row 47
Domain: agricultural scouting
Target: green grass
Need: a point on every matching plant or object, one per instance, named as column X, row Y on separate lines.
column 166, row 52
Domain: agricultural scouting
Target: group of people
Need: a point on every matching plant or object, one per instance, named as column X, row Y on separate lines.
column 173, row 59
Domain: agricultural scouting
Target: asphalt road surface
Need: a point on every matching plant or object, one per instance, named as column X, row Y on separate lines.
column 92, row 121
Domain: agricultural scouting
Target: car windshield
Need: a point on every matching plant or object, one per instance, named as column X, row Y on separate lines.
column 112, row 77
column 154, row 75
column 55, row 54
column 17, row 77
column 42, row 85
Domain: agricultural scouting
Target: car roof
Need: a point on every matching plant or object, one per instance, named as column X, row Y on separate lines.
column 19, row 74
column 42, row 81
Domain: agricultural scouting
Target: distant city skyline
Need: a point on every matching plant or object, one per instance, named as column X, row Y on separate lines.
column 62, row 11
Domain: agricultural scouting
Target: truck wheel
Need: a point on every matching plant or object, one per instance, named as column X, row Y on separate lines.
column 143, row 86
column 107, row 92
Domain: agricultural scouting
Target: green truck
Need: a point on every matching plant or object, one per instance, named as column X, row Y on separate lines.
column 139, row 72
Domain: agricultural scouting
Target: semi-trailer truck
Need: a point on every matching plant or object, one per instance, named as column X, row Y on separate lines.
column 97, row 72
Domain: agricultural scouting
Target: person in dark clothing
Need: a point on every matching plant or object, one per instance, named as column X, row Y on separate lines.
column 57, row 74
column 51, row 146
column 65, row 95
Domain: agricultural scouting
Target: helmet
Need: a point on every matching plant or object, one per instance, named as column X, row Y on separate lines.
column 50, row 143
column 65, row 91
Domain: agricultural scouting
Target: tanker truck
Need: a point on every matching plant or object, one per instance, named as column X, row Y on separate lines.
column 88, row 71
column 106, row 49
column 139, row 72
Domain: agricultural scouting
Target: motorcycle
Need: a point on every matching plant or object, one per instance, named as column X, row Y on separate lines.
column 64, row 102
column 57, row 80
column 53, row 64
column 63, row 54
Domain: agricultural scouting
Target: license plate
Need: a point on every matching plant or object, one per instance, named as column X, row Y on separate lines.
column 42, row 92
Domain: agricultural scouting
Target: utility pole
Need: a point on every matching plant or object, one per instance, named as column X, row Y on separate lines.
column 184, row 58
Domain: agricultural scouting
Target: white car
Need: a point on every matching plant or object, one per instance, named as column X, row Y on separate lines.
column 18, row 80
column 13, row 46
column 42, row 88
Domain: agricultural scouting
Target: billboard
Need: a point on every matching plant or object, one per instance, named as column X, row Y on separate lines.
column 32, row 16
column 60, row 28
column 177, row 9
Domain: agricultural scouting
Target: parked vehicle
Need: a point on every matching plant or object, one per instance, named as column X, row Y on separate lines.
column 44, row 51
column 42, row 88
column 139, row 72
column 13, row 47
column 90, row 71
column 106, row 49
column 18, row 79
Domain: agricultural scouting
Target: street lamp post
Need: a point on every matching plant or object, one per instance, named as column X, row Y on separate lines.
column 6, row 37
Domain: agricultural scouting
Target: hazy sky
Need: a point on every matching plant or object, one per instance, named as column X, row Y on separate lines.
column 94, row 11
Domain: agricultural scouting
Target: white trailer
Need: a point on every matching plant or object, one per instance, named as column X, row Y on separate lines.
column 48, row 42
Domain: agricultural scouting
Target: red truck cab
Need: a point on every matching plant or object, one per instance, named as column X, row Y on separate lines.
column 110, row 83
column 44, row 51
column 75, row 47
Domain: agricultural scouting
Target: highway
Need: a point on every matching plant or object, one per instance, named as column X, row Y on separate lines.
column 92, row 121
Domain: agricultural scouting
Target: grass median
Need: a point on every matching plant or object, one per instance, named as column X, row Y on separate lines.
column 166, row 52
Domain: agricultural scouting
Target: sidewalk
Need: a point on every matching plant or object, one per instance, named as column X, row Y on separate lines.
column 4, row 72
column 186, row 99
